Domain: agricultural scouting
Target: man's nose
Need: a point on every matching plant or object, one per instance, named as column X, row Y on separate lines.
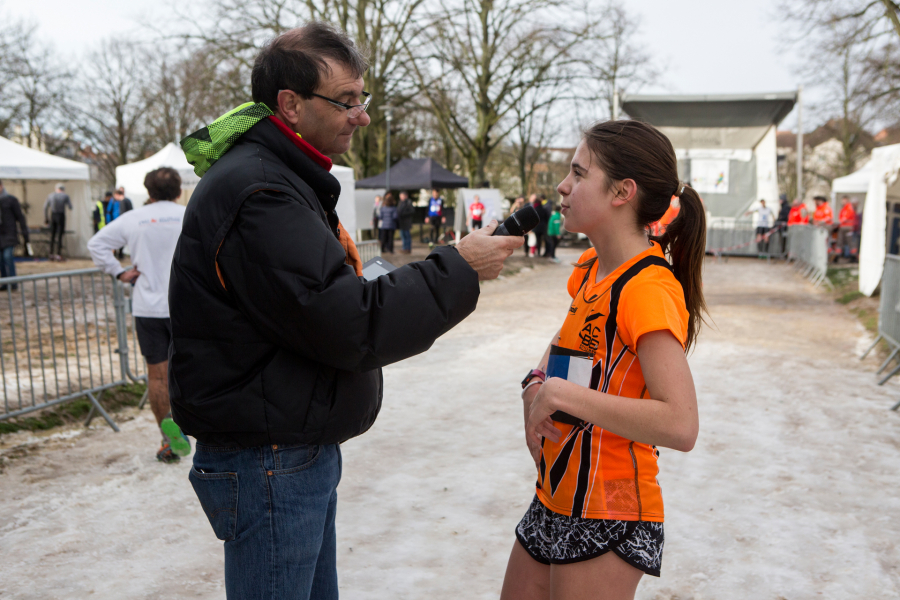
column 361, row 120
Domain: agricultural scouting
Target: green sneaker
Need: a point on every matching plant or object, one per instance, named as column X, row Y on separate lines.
column 177, row 440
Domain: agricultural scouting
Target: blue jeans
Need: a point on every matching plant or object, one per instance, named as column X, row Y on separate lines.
column 7, row 264
column 406, row 237
column 274, row 507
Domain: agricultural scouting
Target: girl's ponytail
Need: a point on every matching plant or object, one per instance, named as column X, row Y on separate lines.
column 684, row 241
column 638, row 151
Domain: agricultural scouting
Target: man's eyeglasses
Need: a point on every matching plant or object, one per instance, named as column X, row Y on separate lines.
column 353, row 110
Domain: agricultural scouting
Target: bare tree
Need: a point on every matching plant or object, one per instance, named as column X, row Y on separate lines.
column 614, row 61
column 184, row 90
column 33, row 86
column 14, row 34
column 111, row 110
column 237, row 29
column 535, row 129
column 42, row 86
column 477, row 60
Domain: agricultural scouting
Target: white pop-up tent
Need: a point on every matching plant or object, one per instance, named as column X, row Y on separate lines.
column 881, row 217
column 854, row 185
column 131, row 176
column 346, row 206
column 31, row 176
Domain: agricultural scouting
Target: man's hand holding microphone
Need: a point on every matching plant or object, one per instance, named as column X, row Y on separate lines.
column 486, row 249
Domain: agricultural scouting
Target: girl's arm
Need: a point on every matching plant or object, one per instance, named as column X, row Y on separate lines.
column 668, row 418
column 529, row 395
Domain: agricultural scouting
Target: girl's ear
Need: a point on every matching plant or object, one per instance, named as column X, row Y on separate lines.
column 627, row 191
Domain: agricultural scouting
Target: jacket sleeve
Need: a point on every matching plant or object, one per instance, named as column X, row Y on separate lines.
column 285, row 270
column 101, row 246
column 20, row 217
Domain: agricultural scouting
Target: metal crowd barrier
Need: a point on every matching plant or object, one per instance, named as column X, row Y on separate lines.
column 808, row 249
column 738, row 238
column 368, row 250
column 889, row 317
column 64, row 336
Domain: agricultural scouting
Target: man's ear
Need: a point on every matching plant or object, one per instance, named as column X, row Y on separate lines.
column 289, row 107
column 627, row 192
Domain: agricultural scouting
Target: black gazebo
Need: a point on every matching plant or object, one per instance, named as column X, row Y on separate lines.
column 415, row 174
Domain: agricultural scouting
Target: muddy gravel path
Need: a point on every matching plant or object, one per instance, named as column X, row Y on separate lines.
column 791, row 491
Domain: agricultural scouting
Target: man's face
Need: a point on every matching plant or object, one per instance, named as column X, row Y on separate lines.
column 325, row 126
column 404, row 195
column 434, row 193
column 119, row 196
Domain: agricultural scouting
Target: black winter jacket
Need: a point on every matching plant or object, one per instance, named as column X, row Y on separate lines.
column 10, row 214
column 290, row 350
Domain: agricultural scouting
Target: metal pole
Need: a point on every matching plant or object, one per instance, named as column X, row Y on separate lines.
column 389, row 117
column 800, row 142
column 615, row 107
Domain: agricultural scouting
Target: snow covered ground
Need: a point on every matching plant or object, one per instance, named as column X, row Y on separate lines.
column 791, row 491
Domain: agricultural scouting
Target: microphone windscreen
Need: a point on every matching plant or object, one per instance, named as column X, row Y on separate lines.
column 526, row 219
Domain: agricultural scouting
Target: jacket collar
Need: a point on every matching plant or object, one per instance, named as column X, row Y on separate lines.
column 316, row 156
column 301, row 158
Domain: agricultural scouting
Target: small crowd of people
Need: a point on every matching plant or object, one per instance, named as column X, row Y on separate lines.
column 547, row 232
column 389, row 215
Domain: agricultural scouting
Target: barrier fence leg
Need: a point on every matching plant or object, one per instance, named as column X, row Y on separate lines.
column 887, row 362
column 102, row 412
column 896, row 406
column 144, row 398
column 870, row 348
column 889, row 375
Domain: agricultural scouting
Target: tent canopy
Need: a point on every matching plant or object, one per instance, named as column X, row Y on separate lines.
column 416, row 174
column 19, row 162
column 720, row 121
column 131, row 176
column 854, row 183
column 883, row 187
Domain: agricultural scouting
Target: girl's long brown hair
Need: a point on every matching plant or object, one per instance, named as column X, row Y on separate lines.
column 635, row 150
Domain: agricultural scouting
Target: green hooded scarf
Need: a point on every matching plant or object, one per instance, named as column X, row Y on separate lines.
column 205, row 146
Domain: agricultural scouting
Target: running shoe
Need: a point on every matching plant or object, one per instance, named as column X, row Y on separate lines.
column 165, row 454
column 177, row 440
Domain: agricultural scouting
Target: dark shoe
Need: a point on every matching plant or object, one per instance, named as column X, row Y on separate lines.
column 165, row 454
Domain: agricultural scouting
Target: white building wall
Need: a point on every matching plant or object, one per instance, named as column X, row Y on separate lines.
column 766, row 152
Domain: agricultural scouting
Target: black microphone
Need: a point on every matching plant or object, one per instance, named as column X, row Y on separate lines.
column 519, row 223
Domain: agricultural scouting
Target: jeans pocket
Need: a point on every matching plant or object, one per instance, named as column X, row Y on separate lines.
column 295, row 458
column 218, row 494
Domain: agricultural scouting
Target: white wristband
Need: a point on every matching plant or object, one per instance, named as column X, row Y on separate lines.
column 534, row 381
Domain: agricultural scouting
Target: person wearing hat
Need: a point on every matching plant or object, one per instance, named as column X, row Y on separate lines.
column 55, row 217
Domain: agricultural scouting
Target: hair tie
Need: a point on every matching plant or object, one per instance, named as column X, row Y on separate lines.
column 679, row 189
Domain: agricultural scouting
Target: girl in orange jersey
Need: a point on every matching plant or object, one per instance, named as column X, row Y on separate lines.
column 618, row 383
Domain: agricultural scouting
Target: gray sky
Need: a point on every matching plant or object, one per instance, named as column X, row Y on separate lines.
column 709, row 46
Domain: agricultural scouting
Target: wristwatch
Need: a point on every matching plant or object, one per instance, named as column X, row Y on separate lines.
column 533, row 374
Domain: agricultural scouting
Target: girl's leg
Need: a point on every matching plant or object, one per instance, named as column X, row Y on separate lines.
column 526, row 578
column 606, row 577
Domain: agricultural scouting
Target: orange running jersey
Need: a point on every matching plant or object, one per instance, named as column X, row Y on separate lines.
column 823, row 215
column 591, row 472
column 847, row 216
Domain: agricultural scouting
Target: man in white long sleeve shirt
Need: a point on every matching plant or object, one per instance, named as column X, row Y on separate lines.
column 151, row 232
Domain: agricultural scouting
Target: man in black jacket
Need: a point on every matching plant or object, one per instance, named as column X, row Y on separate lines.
column 10, row 215
column 277, row 343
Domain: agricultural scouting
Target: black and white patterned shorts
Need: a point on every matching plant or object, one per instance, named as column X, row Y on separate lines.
column 552, row 538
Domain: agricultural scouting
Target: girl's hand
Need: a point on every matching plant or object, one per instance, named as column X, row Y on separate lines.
column 539, row 422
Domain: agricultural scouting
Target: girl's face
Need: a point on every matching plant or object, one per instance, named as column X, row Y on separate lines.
column 588, row 195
